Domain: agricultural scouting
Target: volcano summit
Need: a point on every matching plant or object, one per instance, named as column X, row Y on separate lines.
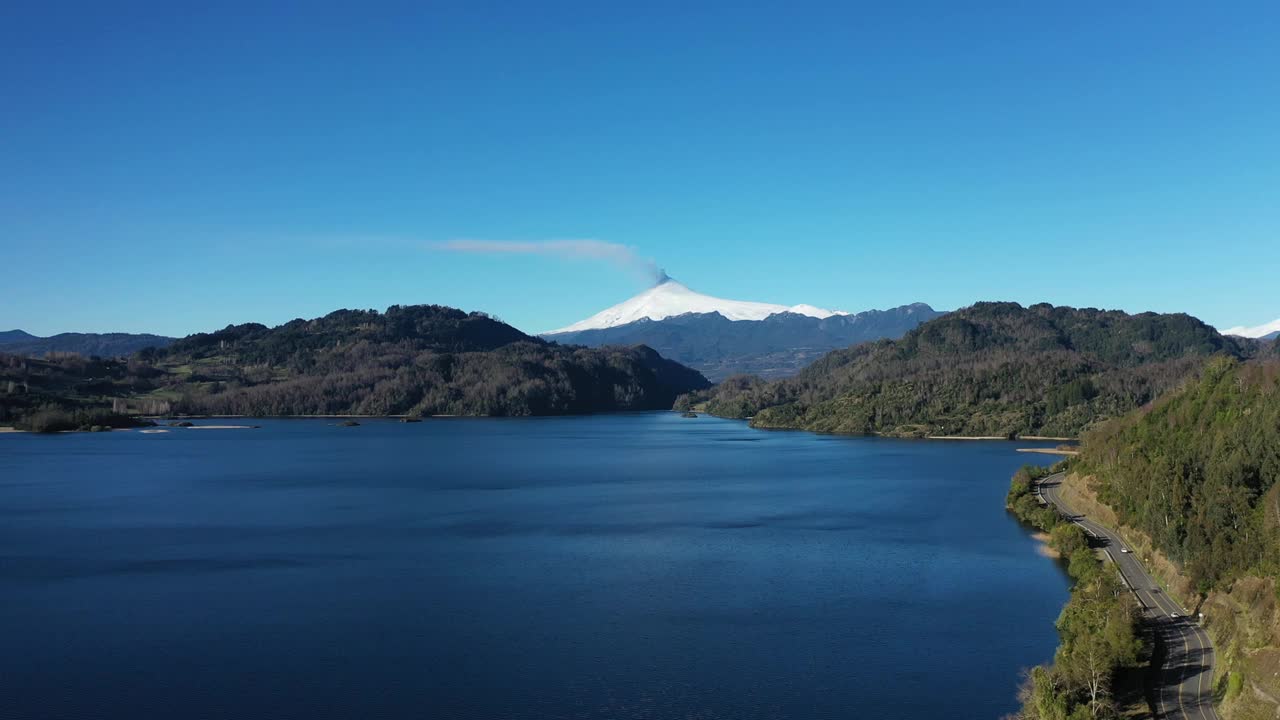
column 725, row 337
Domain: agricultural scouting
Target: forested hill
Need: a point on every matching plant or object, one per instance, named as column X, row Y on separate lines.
column 417, row 327
column 423, row 360
column 989, row 369
column 1198, row 473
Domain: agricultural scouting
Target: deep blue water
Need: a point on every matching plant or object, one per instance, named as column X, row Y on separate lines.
column 616, row 566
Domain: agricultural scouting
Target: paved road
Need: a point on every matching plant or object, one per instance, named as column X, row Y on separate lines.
column 1186, row 678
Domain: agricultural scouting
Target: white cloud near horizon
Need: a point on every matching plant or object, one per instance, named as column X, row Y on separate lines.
column 1254, row 332
column 622, row 256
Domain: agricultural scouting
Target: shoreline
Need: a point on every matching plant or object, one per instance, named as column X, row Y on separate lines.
column 965, row 437
column 1002, row 437
column 165, row 421
column 1043, row 547
column 1050, row 451
column 1129, row 696
column 270, row 417
column 1157, row 606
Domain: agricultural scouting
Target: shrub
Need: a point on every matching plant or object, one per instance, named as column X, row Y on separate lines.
column 52, row 419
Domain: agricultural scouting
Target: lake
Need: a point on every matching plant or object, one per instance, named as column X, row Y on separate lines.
column 612, row 566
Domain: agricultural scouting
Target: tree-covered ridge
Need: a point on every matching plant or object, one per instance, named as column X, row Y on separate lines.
column 990, row 369
column 1109, row 336
column 522, row 378
column 1198, row 472
column 418, row 360
column 417, row 327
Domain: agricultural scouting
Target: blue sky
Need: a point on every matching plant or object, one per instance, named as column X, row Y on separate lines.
column 174, row 171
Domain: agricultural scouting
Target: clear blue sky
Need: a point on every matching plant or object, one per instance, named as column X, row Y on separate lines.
column 173, row 171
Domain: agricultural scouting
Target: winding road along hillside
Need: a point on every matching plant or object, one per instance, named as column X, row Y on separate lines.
column 1186, row 677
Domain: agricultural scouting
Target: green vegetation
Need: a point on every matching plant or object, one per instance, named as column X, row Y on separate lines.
column 995, row 369
column 1021, row 499
column 70, row 392
column 1098, row 639
column 1097, row 628
column 1235, row 683
column 1197, row 472
column 51, row 418
column 419, row 360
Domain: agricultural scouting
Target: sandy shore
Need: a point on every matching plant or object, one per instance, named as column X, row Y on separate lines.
column 10, row 430
column 999, row 437
column 1049, row 451
column 1042, row 545
column 219, row 427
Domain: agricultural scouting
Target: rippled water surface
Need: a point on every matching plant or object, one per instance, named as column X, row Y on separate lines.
column 617, row 566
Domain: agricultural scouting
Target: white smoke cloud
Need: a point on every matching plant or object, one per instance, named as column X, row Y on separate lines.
column 622, row 256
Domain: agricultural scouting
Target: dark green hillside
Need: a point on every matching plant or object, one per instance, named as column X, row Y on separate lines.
column 990, row 369
column 522, row 378
column 409, row 360
column 415, row 327
column 1198, row 471
column 1197, row 477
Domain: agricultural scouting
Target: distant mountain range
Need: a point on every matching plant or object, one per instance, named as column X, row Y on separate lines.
column 20, row 342
column 721, row 337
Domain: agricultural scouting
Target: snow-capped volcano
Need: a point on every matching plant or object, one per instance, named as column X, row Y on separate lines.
column 669, row 298
column 1260, row 331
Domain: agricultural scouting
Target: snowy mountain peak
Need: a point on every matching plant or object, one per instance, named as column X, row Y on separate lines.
column 669, row 298
column 1260, row 331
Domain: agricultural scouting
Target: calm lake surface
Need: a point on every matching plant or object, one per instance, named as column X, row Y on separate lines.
column 616, row 566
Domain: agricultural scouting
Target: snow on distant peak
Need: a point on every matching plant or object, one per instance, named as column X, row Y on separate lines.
column 816, row 312
column 1254, row 332
column 669, row 298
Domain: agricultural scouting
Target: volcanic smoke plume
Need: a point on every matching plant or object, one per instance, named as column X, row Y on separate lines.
column 622, row 256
